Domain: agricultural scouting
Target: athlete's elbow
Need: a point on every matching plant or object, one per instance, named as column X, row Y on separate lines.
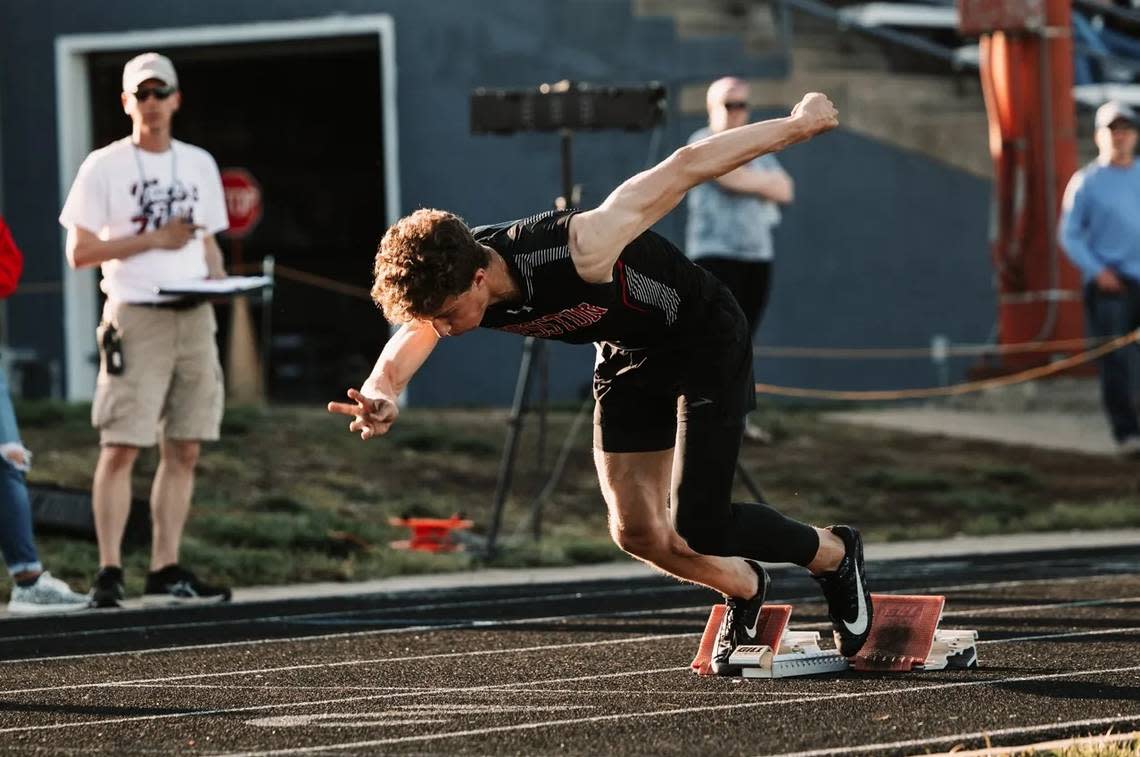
column 685, row 165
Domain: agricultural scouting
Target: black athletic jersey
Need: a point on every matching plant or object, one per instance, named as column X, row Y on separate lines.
column 654, row 299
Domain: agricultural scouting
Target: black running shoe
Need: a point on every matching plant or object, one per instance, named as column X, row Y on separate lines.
column 174, row 585
column 848, row 598
column 107, row 589
column 739, row 627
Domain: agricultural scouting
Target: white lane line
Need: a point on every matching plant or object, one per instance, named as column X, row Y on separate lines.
column 1051, row 606
column 346, row 663
column 1065, row 746
column 1098, row 632
column 1023, row 730
column 379, row 611
column 460, row 625
column 461, row 690
column 490, row 624
column 340, row 700
column 682, row 711
column 735, row 692
column 341, row 663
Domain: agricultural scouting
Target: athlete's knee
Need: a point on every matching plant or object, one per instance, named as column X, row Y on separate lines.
column 640, row 540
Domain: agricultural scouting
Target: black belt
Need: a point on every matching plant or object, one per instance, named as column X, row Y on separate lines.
column 184, row 304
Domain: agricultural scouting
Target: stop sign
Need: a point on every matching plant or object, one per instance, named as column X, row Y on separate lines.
column 243, row 201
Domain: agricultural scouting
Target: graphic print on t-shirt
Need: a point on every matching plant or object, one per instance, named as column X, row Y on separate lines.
column 158, row 204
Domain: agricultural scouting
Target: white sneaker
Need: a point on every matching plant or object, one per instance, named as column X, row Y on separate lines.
column 1129, row 447
column 47, row 595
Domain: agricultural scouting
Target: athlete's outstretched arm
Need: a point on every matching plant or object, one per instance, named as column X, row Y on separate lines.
column 598, row 236
column 373, row 407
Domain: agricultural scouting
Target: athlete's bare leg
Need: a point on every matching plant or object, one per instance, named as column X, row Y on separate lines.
column 636, row 489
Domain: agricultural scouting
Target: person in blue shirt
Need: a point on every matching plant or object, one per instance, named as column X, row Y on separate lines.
column 1100, row 231
column 729, row 232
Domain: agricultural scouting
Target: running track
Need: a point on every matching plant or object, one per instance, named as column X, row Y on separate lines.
column 587, row 668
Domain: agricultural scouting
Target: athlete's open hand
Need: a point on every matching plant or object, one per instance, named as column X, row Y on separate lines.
column 371, row 417
column 817, row 113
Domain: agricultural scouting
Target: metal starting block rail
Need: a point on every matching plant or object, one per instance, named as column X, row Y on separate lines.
column 904, row 637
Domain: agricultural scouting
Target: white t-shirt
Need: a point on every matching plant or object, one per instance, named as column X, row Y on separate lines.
column 122, row 190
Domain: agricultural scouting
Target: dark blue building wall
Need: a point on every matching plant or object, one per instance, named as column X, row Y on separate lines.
column 881, row 248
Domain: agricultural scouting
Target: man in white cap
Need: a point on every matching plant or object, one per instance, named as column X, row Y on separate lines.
column 1100, row 231
column 145, row 209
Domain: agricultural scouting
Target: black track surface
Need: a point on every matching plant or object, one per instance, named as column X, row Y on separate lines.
column 574, row 668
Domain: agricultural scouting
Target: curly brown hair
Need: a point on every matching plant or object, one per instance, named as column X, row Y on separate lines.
column 423, row 259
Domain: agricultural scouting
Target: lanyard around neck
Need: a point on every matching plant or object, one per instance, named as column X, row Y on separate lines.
column 142, row 172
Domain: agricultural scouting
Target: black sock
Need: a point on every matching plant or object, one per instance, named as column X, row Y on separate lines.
column 27, row 583
column 112, row 571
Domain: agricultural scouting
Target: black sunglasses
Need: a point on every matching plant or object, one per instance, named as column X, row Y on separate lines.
column 142, row 95
column 735, row 105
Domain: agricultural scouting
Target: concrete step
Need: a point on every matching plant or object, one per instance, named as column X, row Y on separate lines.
column 821, row 52
column 750, row 21
column 939, row 116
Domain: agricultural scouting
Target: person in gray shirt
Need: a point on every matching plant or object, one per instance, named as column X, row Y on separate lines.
column 731, row 218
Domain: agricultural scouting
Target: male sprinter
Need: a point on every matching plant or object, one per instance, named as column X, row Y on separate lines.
column 673, row 380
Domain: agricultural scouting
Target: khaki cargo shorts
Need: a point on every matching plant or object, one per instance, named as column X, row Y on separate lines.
column 171, row 378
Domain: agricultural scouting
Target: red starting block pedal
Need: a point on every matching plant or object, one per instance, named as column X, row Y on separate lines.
column 905, row 636
column 777, row 653
column 431, row 534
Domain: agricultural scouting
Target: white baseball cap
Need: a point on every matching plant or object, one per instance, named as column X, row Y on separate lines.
column 1115, row 110
column 148, row 66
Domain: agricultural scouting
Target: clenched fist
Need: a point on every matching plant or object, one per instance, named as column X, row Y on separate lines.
column 817, row 113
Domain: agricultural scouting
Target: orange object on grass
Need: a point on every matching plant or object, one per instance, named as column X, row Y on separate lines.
column 431, row 534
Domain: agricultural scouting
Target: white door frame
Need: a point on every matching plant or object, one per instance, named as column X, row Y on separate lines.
column 73, row 108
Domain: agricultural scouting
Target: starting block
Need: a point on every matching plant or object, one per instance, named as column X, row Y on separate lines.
column 904, row 637
column 431, row 534
column 777, row 653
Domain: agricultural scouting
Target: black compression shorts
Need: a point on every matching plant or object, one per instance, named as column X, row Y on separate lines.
column 705, row 381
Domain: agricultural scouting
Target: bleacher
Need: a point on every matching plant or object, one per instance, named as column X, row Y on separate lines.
column 1106, row 38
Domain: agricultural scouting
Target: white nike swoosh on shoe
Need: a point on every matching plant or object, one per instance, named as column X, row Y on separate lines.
column 860, row 625
column 751, row 630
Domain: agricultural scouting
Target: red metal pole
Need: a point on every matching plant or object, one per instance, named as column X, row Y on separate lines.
column 1029, row 82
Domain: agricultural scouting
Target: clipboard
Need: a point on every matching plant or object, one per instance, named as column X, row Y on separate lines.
column 230, row 286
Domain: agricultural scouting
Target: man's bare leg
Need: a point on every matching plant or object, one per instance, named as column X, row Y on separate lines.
column 830, row 554
column 170, row 497
column 111, row 500
column 636, row 489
